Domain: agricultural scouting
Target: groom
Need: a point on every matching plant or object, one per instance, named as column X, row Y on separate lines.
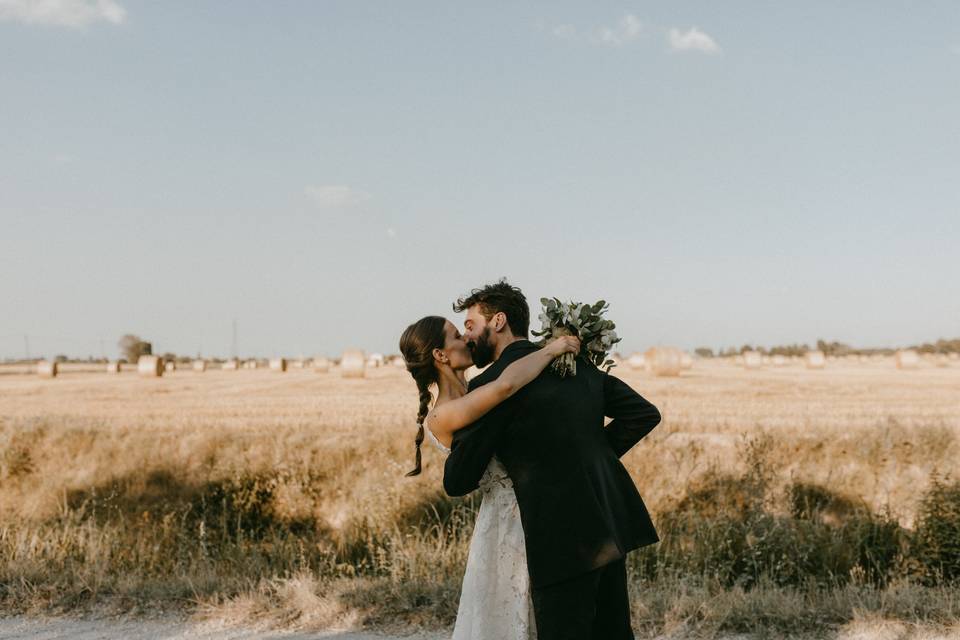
column 580, row 511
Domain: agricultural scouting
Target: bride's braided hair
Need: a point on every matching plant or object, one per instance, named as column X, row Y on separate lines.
column 416, row 345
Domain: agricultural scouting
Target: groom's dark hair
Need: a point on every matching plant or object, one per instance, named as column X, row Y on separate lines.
column 498, row 297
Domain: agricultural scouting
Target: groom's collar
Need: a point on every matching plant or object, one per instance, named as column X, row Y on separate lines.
column 523, row 345
column 511, row 352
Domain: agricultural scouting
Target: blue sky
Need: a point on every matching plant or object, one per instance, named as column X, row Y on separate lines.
column 327, row 172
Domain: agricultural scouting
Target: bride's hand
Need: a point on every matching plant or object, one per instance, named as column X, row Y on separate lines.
column 562, row 345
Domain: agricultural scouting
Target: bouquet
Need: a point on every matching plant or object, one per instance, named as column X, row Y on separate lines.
column 585, row 321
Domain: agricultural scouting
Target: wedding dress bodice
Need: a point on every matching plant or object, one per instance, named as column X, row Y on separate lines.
column 495, row 477
column 436, row 441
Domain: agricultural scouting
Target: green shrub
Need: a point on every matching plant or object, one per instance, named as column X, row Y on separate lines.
column 935, row 547
column 724, row 530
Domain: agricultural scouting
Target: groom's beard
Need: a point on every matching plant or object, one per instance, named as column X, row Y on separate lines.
column 482, row 349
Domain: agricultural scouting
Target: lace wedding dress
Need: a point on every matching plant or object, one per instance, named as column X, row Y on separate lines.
column 495, row 602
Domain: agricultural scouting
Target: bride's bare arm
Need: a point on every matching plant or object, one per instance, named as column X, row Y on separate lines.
column 456, row 414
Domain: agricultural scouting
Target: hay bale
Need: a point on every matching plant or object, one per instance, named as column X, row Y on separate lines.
column 278, row 364
column 297, row 364
column 815, row 360
column 169, row 366
column 230, row 365
column 375, row 360
column 321, row 365
column 663, row 361
column 907, row 359
column 199, row 365
column 752, row 359
column 637, row 361
column 397, row 361
column 113, row 367
column 778, row 360
column 150, row 366
column 47, row 369
column 353, row 364
column 686, row 361
column 250, row 364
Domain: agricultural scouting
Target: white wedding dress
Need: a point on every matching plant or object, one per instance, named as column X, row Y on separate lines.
column 495, row 600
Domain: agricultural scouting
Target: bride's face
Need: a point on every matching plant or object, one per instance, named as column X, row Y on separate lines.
column 455, row 348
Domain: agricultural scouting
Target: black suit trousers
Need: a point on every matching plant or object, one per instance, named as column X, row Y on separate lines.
column 590, row 606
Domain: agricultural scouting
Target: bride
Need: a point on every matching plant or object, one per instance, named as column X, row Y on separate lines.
column 495, row 600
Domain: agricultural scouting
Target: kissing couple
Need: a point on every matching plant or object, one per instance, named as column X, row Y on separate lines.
column 559, row 511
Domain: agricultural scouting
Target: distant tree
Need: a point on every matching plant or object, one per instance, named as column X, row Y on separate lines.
column 132, row 347
column 789, row 350
column 834, row 348
column 60, row 358
column 704, row 352
column 948, row 346
column 941, row 346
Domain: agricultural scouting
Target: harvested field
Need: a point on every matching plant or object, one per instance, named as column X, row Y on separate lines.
column 247, row 496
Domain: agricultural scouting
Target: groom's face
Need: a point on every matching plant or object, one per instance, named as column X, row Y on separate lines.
column 479, row 337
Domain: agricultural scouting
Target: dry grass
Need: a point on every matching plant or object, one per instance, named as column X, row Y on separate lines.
column 247, row 496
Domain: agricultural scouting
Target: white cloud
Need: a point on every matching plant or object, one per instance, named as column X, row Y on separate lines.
column 627, row 29
column 565, row 31
column 62, row 13
column 692, row 40
column 335, row 196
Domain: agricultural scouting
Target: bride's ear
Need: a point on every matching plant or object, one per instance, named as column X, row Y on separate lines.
column 440, row 357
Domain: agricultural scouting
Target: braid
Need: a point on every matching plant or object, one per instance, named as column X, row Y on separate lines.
column 425, row 398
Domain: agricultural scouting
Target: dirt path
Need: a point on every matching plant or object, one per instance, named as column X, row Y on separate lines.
column 77, row 629
column 178, row 629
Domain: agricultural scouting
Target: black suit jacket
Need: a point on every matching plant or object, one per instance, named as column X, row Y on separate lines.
column 579, row 507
